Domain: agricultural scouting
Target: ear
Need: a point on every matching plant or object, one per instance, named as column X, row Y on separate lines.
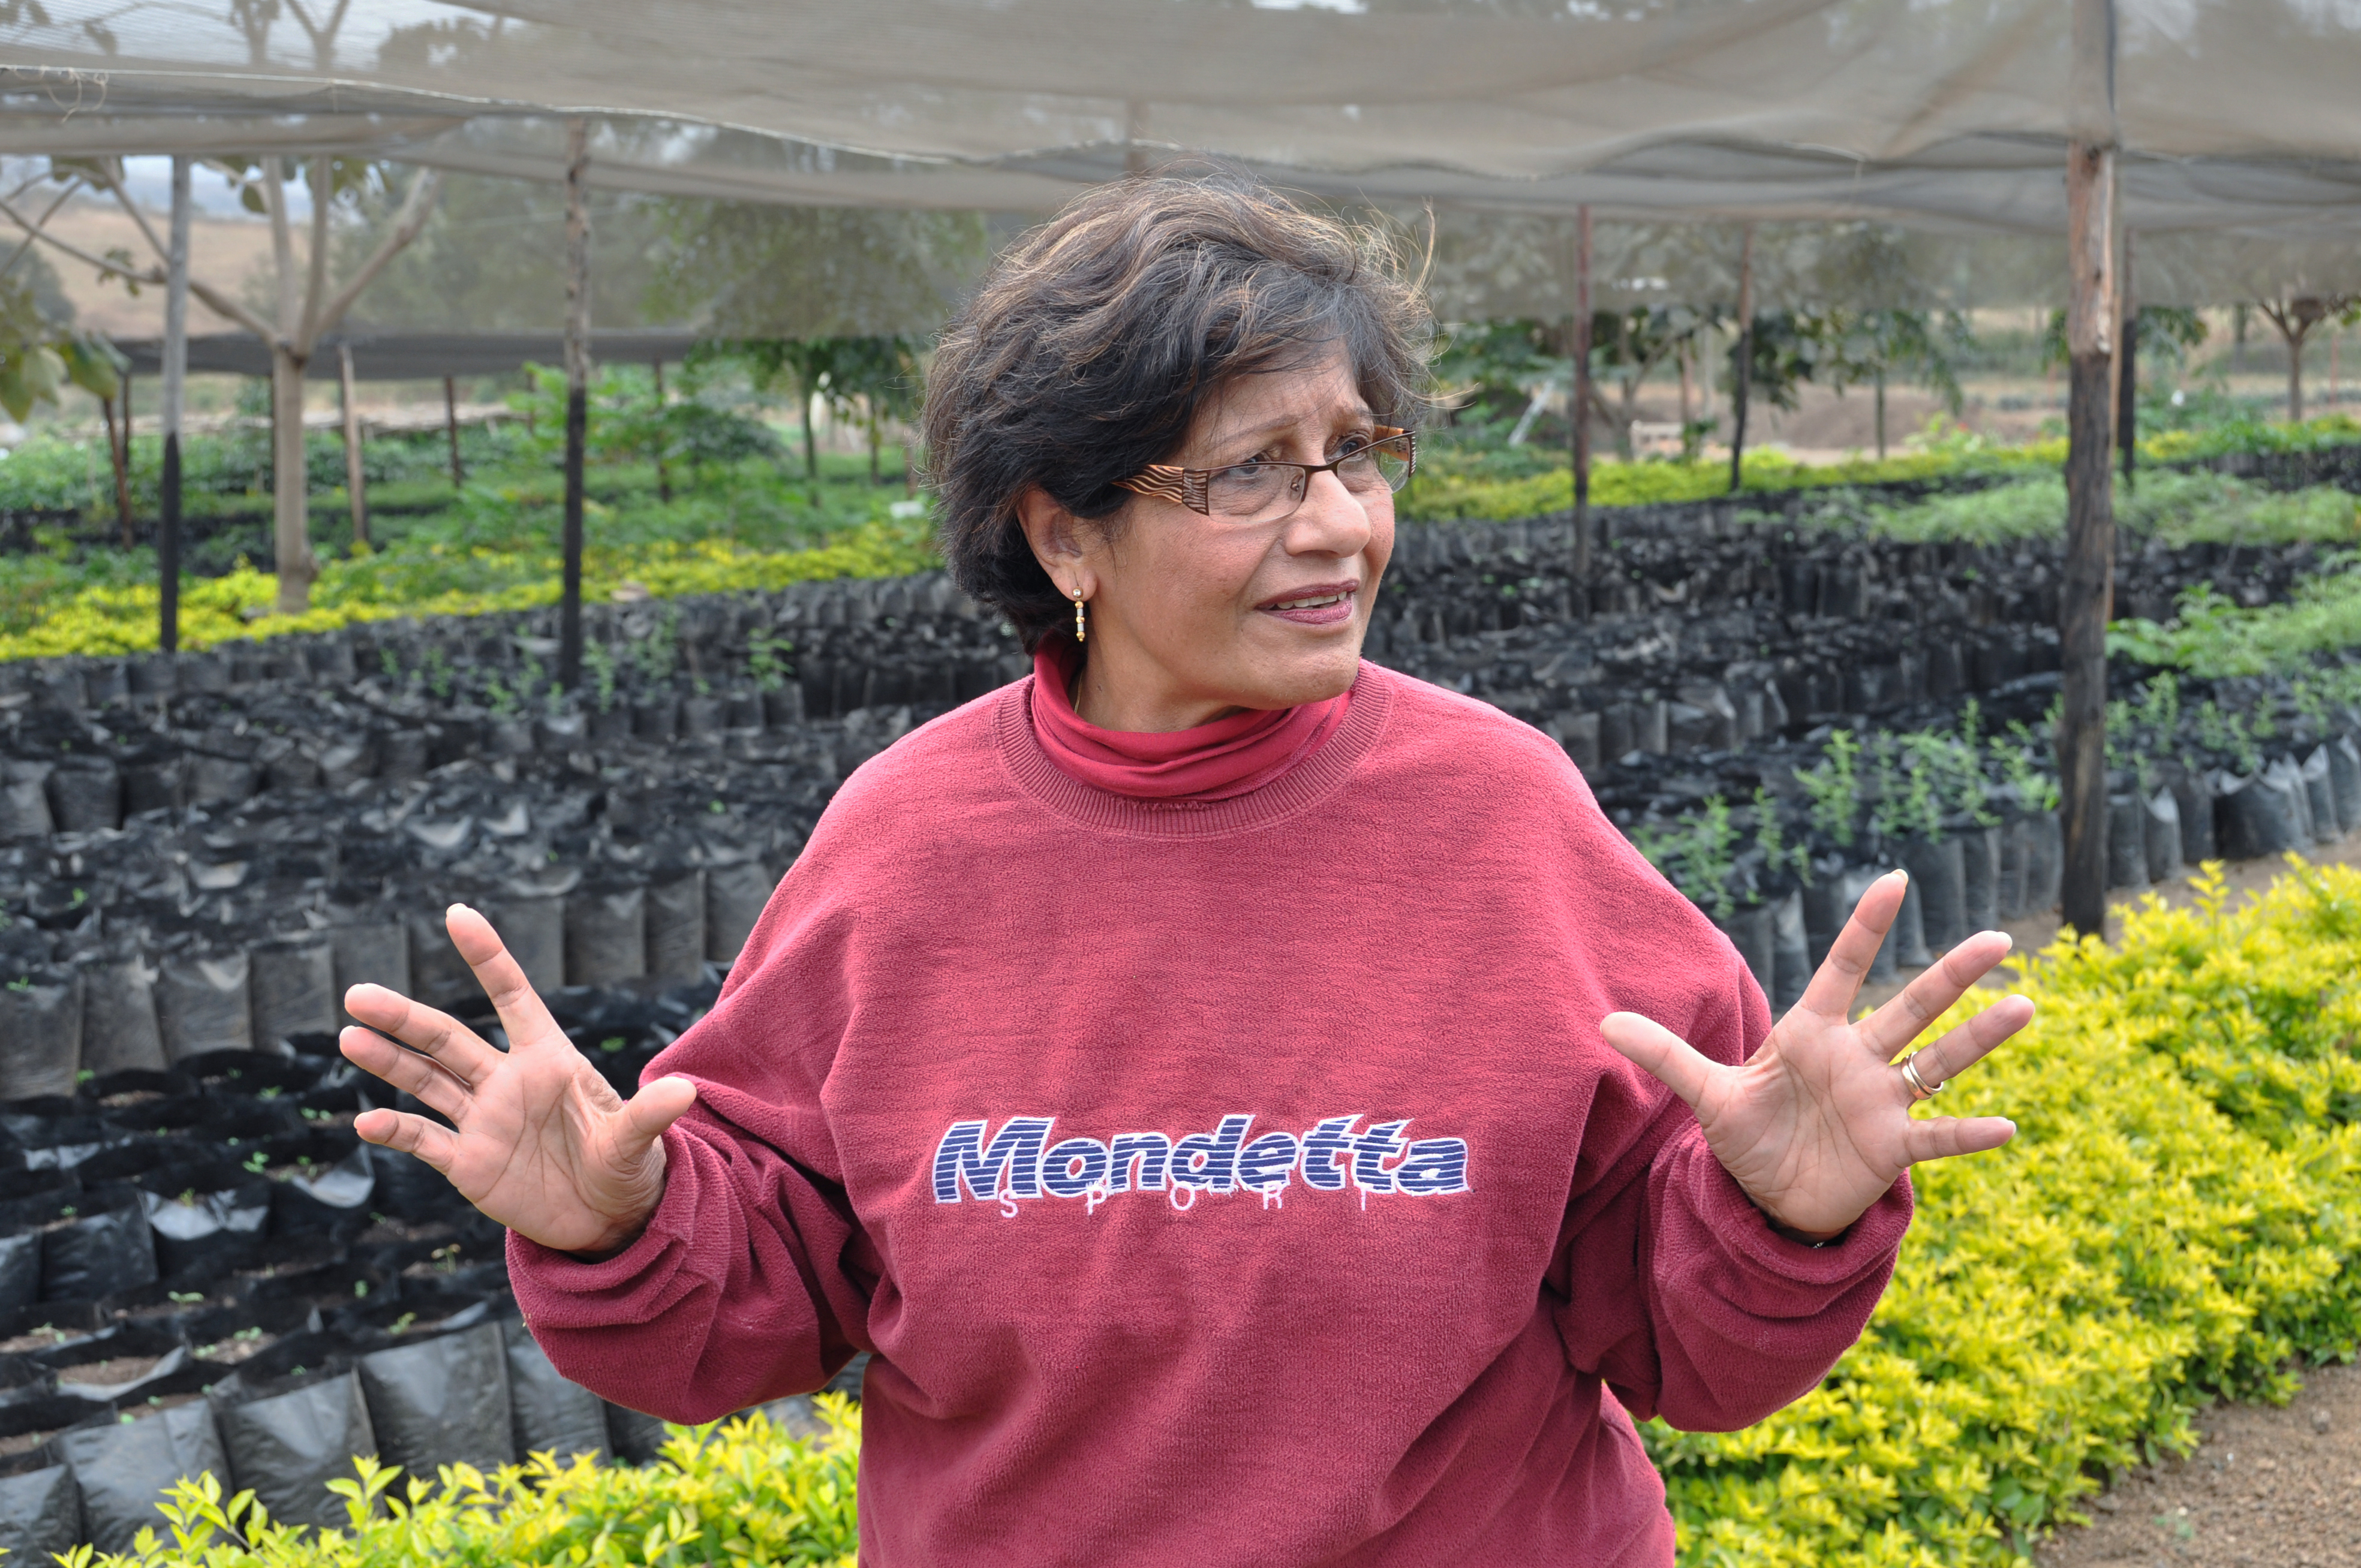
column 1056, row 536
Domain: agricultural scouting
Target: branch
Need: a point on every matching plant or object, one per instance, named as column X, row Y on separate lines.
column 154, row 275
column 216, row 301
column 322, row 177
column 416, row 208
column 228, row 309
column 19, row 254
column 123, row 198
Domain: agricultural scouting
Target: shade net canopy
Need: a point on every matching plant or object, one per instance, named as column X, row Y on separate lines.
column 2233, row 115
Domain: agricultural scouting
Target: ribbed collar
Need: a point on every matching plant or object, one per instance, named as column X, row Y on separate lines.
column 1213, row 760
column 1310, row 779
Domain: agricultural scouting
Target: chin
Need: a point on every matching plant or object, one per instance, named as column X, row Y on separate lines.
column 1315, row 676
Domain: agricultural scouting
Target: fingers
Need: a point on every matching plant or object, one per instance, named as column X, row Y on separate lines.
column 1927, row 998
column 451, row 1043
column 513, row 998
column 1650, row 1045
column 406, row 1071
column 1940, row 1137
column 651, row 1109
column 1839, row 978
column 1961, row 1048
column 438, row 1146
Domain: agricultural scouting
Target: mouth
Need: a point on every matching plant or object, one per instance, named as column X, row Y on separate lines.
column 1322, row 604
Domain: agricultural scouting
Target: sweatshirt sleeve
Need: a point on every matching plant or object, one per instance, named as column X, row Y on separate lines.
column 735, row 1293
column 753, row 1278
column 1677, row 1292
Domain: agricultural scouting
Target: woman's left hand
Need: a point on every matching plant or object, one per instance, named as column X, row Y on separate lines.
column 1816, row 1124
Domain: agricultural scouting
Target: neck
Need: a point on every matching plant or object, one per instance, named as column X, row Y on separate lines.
column 1117, row 688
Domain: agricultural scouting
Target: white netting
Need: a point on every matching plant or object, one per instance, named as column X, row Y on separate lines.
column 2232, row 111
column 2237, row 117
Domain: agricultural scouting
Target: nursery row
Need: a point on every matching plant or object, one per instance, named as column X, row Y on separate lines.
column 203, row 1269
column 202, row 852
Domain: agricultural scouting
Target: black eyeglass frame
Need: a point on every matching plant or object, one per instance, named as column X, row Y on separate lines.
column 1193, row 487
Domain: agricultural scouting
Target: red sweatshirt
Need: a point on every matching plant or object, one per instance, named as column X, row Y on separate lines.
column 1241, row 1183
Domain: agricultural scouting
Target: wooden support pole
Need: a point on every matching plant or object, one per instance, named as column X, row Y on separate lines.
column 577, row 391
column 356, row 480
column 663, row 474
column 1577, row 411
column 174, row 389
column 1741, row 383
column 118, row 454
column 2093, row 320
column 451, row 428
column 2127, row 379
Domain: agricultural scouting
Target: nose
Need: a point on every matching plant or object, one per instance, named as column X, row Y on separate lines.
column 1331, row 521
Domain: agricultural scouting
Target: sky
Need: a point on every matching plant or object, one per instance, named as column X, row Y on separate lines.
column 149, row 181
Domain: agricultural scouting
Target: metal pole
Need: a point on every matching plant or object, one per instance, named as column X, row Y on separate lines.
column 1578, row 408
column 2091, row 321
column 1742, row 382
column 577, row 389
column 175, row 385
column 356, row 481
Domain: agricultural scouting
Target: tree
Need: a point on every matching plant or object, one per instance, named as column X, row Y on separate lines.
column 879, row 377
column 2295, row 316
column 488, row 256
column 1851, row 346
column 812, row 274
column 304, row 305
column 1634, row 343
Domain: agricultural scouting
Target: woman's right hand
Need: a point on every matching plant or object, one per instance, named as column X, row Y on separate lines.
column 538, row 1140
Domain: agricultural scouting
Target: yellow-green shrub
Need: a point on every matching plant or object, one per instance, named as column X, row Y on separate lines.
column 215, row 610
column 741, row 1493
column 2176, row 1221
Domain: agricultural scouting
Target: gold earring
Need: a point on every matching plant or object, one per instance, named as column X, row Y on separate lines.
column 1082, row 627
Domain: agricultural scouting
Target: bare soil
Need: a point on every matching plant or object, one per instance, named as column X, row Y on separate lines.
column 2268, row 1488
column 117, row 1369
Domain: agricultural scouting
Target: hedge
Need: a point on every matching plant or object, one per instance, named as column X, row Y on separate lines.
column 743, row 1493
column 123, row 619
column 2177, row 1222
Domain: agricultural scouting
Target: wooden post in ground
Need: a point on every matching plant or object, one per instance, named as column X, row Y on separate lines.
column 451, row 427
column 664, row 475
column 1742, row 382
column 174, row 386
column 2128, row 377
column 577, row 389
column 356, row 481
column 1578, row 410
column 118, row 454
column 2092, row 322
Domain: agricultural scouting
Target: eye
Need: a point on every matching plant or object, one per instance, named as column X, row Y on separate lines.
column 1353, row 442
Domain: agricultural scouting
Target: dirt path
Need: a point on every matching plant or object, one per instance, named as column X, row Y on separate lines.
column 2269, row 1487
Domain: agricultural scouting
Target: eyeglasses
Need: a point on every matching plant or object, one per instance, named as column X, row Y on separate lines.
column 1269, row 492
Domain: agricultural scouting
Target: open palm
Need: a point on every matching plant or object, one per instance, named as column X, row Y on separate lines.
column 1817, row 1125
column 538, row 1140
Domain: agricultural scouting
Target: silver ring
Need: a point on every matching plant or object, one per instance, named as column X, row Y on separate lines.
column 1918, row 1088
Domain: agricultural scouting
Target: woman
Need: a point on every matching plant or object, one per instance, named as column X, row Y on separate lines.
column 1252, row 1103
